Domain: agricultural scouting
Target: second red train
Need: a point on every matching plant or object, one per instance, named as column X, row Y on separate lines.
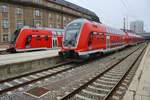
column 83, row 38
column 27, row 39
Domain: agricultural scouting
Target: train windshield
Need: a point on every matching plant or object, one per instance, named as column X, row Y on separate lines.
column 14, row 36
column 71, row 34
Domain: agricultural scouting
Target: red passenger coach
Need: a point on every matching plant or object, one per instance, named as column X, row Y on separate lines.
column 26, row 39
column 134, row 39
column 83, row 38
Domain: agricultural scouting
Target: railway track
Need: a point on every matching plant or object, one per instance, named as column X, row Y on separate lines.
column 3, row 52
column 109, row 83
column 26, row 79
column 22, row 80
column 119, row 91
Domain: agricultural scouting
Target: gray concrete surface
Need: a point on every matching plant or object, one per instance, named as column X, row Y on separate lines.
column 139, row 88
column 2, row 49
column 16, row 64
column 27, row 56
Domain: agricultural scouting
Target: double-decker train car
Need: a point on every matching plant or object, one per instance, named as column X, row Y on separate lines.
column 27, row 39
column 83, row 38
column 134, row 39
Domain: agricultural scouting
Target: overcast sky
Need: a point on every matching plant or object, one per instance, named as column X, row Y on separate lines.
column 111, row 12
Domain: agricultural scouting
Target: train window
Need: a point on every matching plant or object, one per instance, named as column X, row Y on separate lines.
column 15, row 35
column 90, row 38
column 46, row 38
column 101, row 34
column 92, row 35
column 28, row 40
column 54, row 33
column 54, row 42
column 59, row 33
column 62, row 33
column 38, row 38
column 97, row 35
column 107, row 33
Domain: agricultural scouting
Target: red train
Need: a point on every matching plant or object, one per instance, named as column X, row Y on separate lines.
column 83, row 38
column 27, row 39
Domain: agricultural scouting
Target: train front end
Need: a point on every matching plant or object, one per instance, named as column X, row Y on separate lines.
column 70, row 44
column 12, row 44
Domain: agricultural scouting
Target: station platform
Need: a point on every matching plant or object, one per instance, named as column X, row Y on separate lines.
column 27, row 56
column 2, row 49
column 3, row 46
column 139, row 88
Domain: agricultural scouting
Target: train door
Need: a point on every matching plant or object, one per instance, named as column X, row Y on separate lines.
column 54, row 39
column 90, row 41
column 59, row 38
column 54, row 42
column 107, row 41
column 28, row 41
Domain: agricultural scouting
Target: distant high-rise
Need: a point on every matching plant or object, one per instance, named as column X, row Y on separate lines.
column 137, row 26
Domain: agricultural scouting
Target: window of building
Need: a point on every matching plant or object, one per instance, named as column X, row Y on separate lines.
column 4, row 8
column 64, row 18
column 5, row 30
column 69, row 19
column 50, row 15
column 5, row 23
column 37, row 12
column 58, row 26
column 50, row 25
column 19, row 24
column 19, row 11
column 37, row 1
column 5, row 15
column 57, row 16
column 5, row 37
column 37, row 23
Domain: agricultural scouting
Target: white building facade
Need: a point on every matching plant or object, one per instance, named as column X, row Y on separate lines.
column 137, row 26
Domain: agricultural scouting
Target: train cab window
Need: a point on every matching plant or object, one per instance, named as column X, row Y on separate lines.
column 38, row 38
column 46, row 38
column 71, row 34
column 14, row 36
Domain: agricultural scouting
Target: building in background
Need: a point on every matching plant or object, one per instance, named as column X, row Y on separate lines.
column 44, row 13
column 137, row 26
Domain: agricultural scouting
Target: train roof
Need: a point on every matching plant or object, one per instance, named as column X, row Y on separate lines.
column 114, row 31
column 134, row 35
column 74, row 6
column 42, row 28
column 108, row 29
